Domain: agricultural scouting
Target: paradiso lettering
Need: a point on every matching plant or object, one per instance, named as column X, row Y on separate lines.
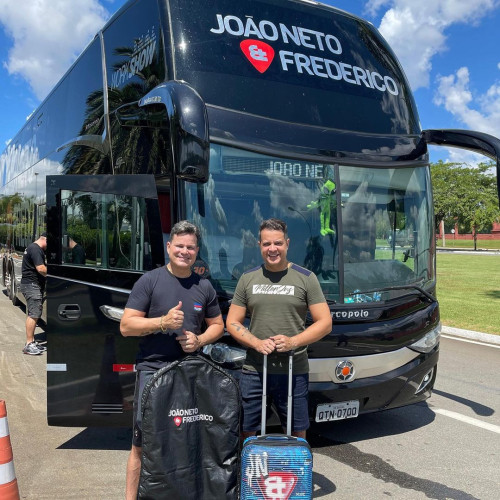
column 327, row 44
column 142, row 56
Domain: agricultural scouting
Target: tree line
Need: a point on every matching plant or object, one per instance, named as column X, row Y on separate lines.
column 466, row 196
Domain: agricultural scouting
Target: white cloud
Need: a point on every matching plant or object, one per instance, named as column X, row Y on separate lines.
column 456, row 155
column 47, row 37
column 476, row 112
column 373, row 6
column 417, row 30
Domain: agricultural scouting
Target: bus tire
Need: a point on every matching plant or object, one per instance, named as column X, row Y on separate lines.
column 13, row 289
column 3, row 272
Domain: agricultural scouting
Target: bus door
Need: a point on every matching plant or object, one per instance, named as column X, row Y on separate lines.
column 102, row 235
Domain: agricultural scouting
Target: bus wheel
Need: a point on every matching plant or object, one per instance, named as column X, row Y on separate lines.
column 12, row 291
column 8, row 281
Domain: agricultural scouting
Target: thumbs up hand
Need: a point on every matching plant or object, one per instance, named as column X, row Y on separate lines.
column 175, row 317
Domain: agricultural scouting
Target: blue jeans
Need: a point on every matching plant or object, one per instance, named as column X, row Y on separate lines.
column 277, row 388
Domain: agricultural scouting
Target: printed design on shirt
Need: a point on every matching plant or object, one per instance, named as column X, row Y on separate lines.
column 273, row 290
column 198, row 307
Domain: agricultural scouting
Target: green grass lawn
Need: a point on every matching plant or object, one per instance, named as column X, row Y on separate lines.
column 468, row 290
column 469, row 244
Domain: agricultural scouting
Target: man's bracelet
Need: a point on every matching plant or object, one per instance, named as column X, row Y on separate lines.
column 162, row 328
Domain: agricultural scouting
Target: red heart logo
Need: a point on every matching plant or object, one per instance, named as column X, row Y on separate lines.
column 177, row 421
column 260, row 54
column 278, row 485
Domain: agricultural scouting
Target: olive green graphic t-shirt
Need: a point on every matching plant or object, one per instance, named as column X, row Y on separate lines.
column 278, row 303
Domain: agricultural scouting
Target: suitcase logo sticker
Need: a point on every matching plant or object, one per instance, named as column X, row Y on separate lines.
column 274, row 484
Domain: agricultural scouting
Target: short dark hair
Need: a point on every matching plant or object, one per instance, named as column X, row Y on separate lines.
column 273, row 225
column 185, row 227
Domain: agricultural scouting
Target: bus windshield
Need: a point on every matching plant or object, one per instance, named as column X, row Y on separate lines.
column 358, row 228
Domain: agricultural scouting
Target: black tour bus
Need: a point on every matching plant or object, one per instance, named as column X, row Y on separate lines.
column 225, row 113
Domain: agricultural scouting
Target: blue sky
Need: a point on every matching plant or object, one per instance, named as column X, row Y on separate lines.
column 449, row 49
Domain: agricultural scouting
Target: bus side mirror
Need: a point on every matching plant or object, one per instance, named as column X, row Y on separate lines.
column 187, row 120
column 478, row 142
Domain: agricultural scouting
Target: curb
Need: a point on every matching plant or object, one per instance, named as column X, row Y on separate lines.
column 486, row 338
column 481, row 251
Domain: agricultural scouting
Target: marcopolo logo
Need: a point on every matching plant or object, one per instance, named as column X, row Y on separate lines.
column 311, row 52
column 351, row 314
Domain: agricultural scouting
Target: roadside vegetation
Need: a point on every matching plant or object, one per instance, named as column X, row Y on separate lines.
column 468, row 290
column 466, row 196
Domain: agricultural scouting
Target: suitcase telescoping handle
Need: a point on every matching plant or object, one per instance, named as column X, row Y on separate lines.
column 290, row 395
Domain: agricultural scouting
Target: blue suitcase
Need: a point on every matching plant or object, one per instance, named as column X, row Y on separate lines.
column 274, row 466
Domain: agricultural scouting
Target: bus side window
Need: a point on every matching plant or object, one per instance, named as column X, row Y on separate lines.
column 128, row 234
column 105, row 230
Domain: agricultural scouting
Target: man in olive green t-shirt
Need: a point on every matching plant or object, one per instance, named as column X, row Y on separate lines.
column 277, row 295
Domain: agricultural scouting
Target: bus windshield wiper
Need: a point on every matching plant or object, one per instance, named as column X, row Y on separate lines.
column 396, row 287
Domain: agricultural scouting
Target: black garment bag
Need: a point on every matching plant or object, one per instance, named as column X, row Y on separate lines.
column 190, row 433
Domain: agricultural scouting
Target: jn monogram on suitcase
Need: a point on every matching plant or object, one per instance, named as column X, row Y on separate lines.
column 275, row 466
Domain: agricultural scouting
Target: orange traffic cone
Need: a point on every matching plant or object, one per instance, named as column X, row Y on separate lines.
column 8, row 482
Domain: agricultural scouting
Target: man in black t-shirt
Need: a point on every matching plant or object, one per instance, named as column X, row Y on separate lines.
column 34, row 272
column 77, row 251
column 167, row 308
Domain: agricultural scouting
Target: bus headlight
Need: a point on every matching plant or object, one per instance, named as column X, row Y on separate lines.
column 428, row 341
column 222, row 353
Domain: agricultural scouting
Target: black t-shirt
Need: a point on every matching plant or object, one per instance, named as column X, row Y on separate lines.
column 155, row 293
column 33, row 256
column 78, row 254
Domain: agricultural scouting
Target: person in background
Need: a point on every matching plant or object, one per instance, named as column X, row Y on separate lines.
column 167, row 308
column 277, row 295
column 34, row 273
column 77, row 251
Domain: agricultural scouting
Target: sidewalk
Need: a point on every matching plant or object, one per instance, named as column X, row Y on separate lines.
column 479, row 251
column 486, row 338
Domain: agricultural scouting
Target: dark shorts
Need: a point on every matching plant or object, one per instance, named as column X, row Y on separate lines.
column 34, row 299
column 277, row 389
column 141, row 379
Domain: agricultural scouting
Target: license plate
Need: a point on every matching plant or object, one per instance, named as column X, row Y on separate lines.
column 337, row 411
